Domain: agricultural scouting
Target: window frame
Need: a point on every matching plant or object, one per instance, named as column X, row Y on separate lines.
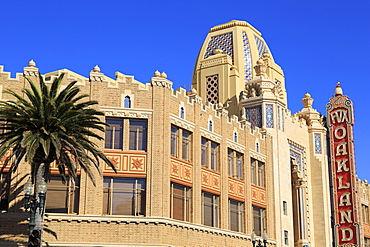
column 185, row 198
column 5, row 178
column 259, row 217
column 72, row 197
column 181, row 143
column 139, row 196
column 258, row 173
column 210, row 154
column 214, row 207
column 239, row 213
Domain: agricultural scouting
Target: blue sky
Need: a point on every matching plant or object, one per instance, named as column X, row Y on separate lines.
column 317, row 43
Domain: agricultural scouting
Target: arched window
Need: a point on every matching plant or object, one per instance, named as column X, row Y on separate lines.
column 127, row 103
column 182, row 112
column 235, row 137
column 210, row 125
column 257, row 147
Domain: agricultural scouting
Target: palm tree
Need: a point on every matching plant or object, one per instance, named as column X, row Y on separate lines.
column 50, row 125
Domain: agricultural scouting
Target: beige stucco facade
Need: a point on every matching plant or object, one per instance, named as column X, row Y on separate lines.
column 236, row 117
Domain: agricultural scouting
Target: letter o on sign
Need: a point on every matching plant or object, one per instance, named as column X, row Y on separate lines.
column 337, row 135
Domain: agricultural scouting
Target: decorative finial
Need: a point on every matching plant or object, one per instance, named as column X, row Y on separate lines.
column 96, row 69
column 193, row 91
column 157, row 73
column 164, row 75
column 217, row 51
column 338, row 90
column 260, row 68
column 307, row 101
column 31, row 63
column 266, row 54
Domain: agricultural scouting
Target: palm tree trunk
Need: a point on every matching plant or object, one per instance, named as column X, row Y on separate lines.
column 39, row 214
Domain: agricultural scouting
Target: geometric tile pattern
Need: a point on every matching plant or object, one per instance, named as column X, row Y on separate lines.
column 223, row 42
column 211, row 180
column 269, row 116
column 212, row 88
column 297, row 153
column 261, row 47
column 236, row 189
column 181, row 171
column 258, row 195
column 247, row 58
column 254, row 116
column 125, row 162
column 317, row 143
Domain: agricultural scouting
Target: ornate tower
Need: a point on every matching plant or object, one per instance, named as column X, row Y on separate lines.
column 224, row 67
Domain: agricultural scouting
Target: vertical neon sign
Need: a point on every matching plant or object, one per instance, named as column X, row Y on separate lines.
column 340, row 121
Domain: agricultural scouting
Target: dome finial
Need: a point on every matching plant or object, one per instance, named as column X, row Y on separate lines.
column 31, row 63
column 96, row 69
column 338, row 90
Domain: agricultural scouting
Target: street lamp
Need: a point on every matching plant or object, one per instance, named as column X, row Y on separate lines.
column 33, row 204
column 259, row 241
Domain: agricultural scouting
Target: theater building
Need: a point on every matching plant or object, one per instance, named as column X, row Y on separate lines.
column 201, row 168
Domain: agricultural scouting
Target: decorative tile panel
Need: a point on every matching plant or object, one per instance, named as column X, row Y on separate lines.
column 261, row 47
column 126, row 162
column 298, row 154
column 211, row 180
column 181, row 171
column 366, row 229
column 223, row 42
column 212, row 88
column 258, row 195
column 317, row 143
column 247, row 58
column 269, row 116
column 236, row 188
column 2, row 160
column 253, row 115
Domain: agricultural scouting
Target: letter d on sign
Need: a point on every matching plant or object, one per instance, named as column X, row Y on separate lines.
column 347, row 232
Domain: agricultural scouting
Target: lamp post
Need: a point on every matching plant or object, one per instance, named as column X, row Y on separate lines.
column 32, row 203
column 259, row 241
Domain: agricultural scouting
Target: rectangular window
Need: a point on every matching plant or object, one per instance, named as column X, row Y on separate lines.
column 236, row 215
column 214, row 156
column 257, row 173
column 365, row 214
column 186, row 145
column 181, row 143
column 210, row 154
column 62, row 198
column 174, row 141
column 286, row 240
column 230, row 159
column 210, row 208
column 114, row 133
column 235, row 160
column 180, row 202
column 4, row 190
column 204, row 152
column 138, row 134
column 124, row 196
column 259, row 220
column 285, row 208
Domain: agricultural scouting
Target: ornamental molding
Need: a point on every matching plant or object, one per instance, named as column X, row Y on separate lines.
column 125, row 112
column 157, row 81
column 235, row 146
column 210, row 135
column 210, row 62
column 257, row 156
column 135, row 220
column 293, row 143
column 175, row 120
